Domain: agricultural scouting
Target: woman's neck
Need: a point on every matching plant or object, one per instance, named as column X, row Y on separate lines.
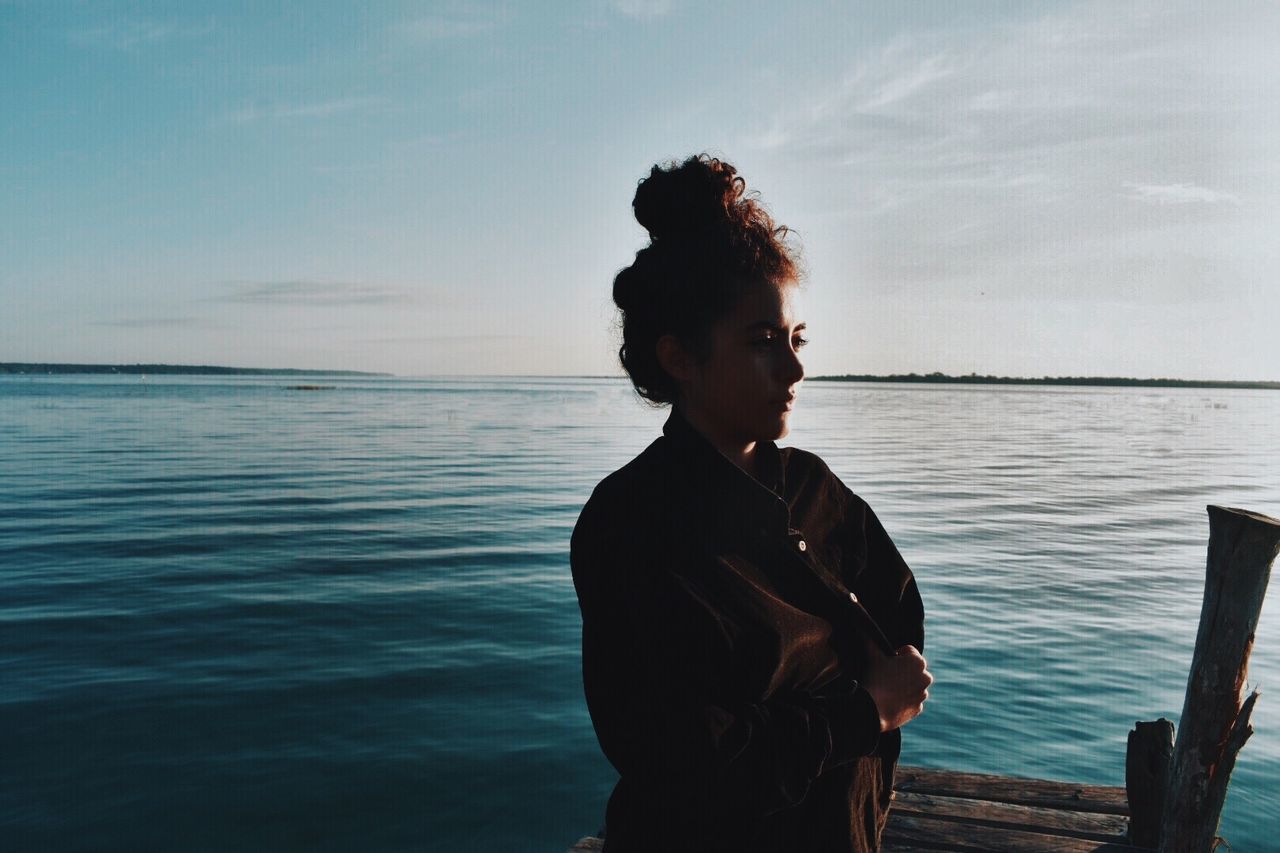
column 744, row 456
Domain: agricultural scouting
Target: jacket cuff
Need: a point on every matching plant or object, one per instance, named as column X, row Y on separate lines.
column 855, row 725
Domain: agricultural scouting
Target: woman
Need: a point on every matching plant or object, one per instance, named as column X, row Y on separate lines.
column 751, row 636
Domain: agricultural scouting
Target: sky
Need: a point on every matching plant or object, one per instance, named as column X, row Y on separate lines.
column 444, row 188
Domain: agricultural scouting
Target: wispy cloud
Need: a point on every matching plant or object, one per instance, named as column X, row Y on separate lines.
column 1179, row 194
column 459, row 21
column 308, row 110
column 1073, row 86
column 970, row 156
column 449, row 339
column 643, row 8
column 129, row 34
column 916, row 76
column 320, row 294
column 151, row 322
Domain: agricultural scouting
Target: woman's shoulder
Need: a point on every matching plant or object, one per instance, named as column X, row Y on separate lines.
column 626, row 530
column 798, row 461
column 627, row 498
column 643, row 473
column 808, row 472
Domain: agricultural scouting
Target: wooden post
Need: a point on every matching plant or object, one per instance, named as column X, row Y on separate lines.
column 1146, row 779
column 1215, row 715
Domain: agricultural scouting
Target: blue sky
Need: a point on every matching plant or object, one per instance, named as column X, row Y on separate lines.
column 428, row 188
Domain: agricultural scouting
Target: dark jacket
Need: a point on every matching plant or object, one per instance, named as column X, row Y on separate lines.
column 722, row 648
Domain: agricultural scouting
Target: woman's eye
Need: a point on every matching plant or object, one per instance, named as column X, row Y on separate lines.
column 773, row 339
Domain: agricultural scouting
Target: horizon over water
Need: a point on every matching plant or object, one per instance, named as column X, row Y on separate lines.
column 239, row 616
column 229, row 371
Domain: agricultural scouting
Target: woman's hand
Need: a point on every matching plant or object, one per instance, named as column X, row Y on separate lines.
column 899, row 685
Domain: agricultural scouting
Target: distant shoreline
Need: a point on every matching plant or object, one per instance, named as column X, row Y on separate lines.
column 36, row 369
column 1108, row 381
column 28, row 368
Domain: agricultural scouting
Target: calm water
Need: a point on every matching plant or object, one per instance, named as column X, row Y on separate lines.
column 235, row 616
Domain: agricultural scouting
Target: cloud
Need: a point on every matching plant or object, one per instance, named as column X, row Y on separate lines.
column 1179, row 194
column 643, row 8
column 461, row 21
column 151, row 322
column 311, row 110
column 916, row 77
column 950, row 160
column 450, row 339
column 1083, row 87
column 315, row 294
column 138, row 32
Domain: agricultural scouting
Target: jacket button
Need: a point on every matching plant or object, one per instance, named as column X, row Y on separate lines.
column 802, row 545
column 853, row 598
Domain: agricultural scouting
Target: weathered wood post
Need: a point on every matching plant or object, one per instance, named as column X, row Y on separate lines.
column 1215, row 714
column 1146, row 779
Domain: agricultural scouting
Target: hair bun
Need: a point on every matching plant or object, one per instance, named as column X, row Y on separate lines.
column 688, row 200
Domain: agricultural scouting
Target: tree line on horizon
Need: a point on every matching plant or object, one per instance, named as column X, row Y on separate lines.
column 30, row 368
column 987, row 379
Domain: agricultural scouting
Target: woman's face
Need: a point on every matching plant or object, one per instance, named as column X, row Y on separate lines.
column 744, row 392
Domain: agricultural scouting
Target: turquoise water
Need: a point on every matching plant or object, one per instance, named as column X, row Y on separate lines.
column 235, row 616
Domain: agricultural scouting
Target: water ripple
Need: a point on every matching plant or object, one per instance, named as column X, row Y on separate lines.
column 226, row 604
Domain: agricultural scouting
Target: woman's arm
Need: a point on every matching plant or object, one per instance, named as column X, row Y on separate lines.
column 883, row 582
column 887, row 589
column 658, row 663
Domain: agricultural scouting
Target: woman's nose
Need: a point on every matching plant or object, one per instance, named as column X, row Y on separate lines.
column 794, row 368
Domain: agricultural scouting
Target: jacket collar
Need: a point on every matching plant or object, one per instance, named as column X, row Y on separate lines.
column 720, row 491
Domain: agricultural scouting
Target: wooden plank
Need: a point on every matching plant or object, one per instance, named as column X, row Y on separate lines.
column 944, row 810
column 893, row 844
column 912, row 831
column 1102, row 799
column 1086, row 825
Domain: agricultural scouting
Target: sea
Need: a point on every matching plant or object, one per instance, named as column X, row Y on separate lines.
column 236, row 615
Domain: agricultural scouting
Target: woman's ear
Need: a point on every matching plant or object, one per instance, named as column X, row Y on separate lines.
column 673, row 357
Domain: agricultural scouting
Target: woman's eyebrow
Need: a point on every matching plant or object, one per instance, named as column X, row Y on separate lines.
column 773, row 326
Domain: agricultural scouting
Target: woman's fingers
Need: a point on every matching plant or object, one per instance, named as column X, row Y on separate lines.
column 899, row 685
column 913, row 653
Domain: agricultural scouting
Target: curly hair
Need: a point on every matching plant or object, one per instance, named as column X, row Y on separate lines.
column 710, row 243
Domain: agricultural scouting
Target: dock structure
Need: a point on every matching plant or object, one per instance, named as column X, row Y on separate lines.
column 946, row 810
column 1174, row 790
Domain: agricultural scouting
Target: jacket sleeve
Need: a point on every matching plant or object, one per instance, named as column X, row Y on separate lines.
column 658, row 670
column 886, row 584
